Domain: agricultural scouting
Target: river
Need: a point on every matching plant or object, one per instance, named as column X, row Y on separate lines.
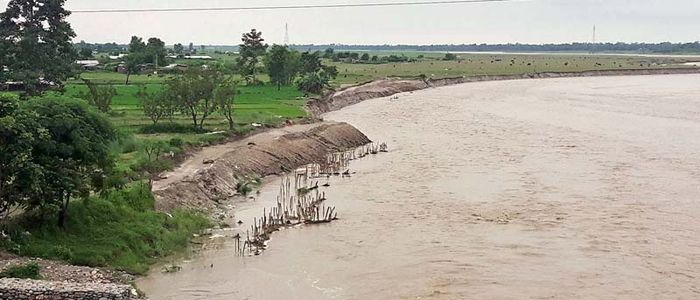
column 530, row 189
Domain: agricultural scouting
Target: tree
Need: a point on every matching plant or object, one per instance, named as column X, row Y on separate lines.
column 85, row 53
column 136, row 45
column 19, row 175
column 156, row 106
column 225, row 96
column 328, row 53
column 315, row 76
column 178, row 49
column 35, row 44
column 155, row 52
column 281, row 65
column 99, row 96
column 365, row 57
column 193, row 93
column 310, row 62
column 450, row 56
column 72, row 156
column 251, row 49
column 133, row 64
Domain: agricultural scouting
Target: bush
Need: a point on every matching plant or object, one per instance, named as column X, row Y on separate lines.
column 28, row 271
column 177, row 143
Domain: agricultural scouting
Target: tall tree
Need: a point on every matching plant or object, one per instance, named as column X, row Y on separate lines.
column 156, row 52
column 35, row 43
column 281, row 65
column 74, row 154
column 252, row 48
column 136, row 45
column 310, row 62
column 19, row 175
column 178, row 49
column 133, row 64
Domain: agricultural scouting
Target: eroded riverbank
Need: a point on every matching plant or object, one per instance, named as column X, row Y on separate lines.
column 559, row 188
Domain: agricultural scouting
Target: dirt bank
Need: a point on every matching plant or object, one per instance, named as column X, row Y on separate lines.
column 384, row 88
column 211, row 174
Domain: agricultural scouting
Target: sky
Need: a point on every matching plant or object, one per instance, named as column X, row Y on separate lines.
column 523, row 21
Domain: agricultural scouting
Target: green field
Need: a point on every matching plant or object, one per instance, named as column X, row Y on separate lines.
column 431, row 65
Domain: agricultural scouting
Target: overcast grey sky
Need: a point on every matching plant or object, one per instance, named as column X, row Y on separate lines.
column 525, row 21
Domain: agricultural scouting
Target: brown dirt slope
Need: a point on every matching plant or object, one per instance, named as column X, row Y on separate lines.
column 196, row 184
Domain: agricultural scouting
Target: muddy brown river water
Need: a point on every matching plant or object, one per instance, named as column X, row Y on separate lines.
column 533, row 189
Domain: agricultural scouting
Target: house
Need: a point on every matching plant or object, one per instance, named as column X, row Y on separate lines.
column 89, row 64
column 115, row 57
column 175, row 67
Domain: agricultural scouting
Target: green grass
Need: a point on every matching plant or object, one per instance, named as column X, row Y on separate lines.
column 120, row 230
column 253, row 104
column 493, row 64
column 26, row 271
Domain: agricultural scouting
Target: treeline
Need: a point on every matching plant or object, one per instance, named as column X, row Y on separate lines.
column 571, row 47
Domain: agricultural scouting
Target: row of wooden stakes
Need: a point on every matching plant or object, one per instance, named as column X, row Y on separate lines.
column 300, row 201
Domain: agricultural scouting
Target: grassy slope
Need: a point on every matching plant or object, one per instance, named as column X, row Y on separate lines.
column 120, row 230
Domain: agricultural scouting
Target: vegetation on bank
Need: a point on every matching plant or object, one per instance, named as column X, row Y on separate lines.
column 119, row 229
column 26, row 271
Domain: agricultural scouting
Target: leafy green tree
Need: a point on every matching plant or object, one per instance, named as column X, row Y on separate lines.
column 252, row 48
column 155, row 52
column 74, row 154
column 281, row 65
column 99, row 96
column 365, row 57
column 316, row 82
column 156, row 106
column 328, row 53
column 133, row 64
column 136, row 45
column 310, row 62
column 35, row 44
column 225, row 95
column 450, row 56
column 178, row 49
column 193, row 93
column 85, row 53
column 19, row 176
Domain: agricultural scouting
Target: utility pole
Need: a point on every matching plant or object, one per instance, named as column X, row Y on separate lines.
column 593, row 44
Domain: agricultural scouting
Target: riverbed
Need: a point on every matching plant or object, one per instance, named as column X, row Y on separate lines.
column 550, row 188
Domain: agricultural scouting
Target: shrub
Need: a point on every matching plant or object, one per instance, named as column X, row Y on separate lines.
column 177, row 143
column 28, row 271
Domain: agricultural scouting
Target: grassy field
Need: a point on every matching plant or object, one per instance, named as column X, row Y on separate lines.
column 431, row 65
column 253, row 104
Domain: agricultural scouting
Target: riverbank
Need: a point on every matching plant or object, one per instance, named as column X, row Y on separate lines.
column 214, row 174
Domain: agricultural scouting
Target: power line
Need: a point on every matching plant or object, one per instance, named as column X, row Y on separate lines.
column 91, row 11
